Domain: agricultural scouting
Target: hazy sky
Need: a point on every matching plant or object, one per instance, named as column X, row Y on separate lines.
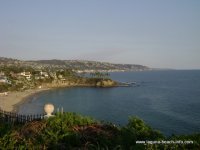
column 156, row 33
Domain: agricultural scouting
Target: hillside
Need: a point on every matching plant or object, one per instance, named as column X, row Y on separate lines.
column 80, row 65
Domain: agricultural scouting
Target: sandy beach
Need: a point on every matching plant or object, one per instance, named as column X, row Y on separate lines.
column 10, row 101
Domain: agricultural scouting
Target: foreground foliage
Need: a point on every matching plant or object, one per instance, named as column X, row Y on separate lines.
column 73, row 131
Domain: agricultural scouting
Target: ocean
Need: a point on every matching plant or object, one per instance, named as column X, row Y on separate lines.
column 168, row 101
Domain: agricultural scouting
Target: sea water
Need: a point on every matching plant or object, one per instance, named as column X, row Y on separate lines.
column 167, row 100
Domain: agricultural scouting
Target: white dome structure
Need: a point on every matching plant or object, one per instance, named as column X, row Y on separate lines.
column 48, row 108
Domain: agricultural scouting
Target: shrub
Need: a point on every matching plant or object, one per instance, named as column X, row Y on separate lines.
column 73, row 131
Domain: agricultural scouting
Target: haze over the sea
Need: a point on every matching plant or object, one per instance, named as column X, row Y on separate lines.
column 158, row 34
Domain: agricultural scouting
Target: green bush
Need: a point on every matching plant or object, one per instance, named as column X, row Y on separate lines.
column 142, row 130
column 73, row 131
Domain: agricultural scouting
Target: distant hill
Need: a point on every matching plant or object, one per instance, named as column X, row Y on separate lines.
column 81, row 65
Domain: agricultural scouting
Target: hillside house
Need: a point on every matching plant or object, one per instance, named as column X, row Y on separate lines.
column 27, row 75
column 45, row 74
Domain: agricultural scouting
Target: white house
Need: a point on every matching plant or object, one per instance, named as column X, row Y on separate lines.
column 45, row 74
column 26, row 74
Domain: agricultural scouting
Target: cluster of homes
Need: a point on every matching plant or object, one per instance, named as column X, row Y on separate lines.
column 41, row 75
column 93, row 71
column 28, row 75
column 16, row 80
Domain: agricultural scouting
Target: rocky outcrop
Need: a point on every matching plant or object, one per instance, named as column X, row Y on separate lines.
column 106, row 83
column 92, row 83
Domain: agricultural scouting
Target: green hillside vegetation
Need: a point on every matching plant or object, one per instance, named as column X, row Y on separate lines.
column 73, row 131
column 49, row 77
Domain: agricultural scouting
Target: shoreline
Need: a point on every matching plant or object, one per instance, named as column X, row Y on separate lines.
column 13, row 100
column 16, row 106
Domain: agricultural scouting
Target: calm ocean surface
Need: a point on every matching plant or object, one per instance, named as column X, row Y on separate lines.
column 167, row 100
